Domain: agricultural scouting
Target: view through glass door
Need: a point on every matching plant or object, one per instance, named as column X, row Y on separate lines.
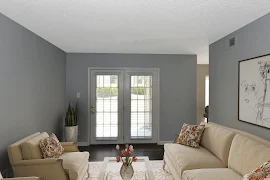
column 124, row 106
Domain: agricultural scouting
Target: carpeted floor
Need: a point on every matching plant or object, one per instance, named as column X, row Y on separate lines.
column 160, row 174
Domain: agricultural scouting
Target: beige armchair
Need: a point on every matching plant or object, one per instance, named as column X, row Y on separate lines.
column 27, row 160
column 24, row 178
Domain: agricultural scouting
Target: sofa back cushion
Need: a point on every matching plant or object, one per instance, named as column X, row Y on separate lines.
column 31, row 149
column 217, row 139
column 247, row 154
column 14, row 150
column 251, row 136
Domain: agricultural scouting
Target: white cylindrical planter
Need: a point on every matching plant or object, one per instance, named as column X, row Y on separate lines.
column 71, row 134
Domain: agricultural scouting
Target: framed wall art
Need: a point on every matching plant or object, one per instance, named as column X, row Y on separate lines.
column 254, row 91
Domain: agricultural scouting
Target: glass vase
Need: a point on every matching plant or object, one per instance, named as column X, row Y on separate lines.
column 126, row 172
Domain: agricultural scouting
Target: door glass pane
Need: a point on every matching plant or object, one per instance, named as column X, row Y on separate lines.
column 106, row 106
column 141, row 107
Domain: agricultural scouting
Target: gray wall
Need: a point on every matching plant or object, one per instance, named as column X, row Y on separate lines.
column 32, row 90
column 251, row 41
column 177, row 86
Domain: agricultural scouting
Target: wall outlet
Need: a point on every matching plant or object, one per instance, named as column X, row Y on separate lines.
column 78, row 95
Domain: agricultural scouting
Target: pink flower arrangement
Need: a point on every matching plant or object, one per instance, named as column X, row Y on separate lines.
column 125, row 156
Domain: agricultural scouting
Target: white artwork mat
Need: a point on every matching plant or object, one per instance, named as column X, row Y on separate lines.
column 254, row 91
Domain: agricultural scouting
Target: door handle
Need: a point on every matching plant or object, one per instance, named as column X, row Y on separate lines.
column 92, row 112
column 92, row 107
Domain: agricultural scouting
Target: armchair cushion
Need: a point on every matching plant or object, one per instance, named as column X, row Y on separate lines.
column 74, row 163
column 31, row 149
column 15, row 150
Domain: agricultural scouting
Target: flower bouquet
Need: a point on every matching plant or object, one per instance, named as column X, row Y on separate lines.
column 125, row 156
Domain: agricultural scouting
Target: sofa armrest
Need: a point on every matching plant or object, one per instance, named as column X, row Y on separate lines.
column 40, row 168
column 70, row 146
column 24, row 178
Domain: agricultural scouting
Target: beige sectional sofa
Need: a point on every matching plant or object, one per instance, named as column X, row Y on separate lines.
column 224, row 154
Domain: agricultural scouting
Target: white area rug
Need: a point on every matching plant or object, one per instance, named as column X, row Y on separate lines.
column 160, row 174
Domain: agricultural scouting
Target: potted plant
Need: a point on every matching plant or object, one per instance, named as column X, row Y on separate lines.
column 71, row 124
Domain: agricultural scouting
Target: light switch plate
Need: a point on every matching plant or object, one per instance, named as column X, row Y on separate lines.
column 78, row 95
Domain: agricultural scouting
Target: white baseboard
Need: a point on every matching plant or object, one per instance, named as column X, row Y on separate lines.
column 164, row 142
column 83, row 144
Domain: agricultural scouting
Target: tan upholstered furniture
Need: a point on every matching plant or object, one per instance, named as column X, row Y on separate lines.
column 24, row 178
column 26, row 160
column 224, row 154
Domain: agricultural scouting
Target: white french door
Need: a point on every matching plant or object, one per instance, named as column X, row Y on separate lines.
column 124, row 106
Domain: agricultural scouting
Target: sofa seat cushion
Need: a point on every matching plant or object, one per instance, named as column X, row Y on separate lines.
column 211, row 174
column 187, row 158
column 74, row 163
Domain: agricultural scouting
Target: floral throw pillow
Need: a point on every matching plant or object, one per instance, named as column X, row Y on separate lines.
column 260, row 173
column 191, row 135
column 51, row 147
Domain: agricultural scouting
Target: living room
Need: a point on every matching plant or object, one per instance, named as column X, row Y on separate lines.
column 91, row 75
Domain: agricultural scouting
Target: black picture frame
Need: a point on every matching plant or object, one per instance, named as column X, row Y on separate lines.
column 239, row 84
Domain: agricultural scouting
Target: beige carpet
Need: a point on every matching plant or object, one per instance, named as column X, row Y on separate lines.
column 160, row 174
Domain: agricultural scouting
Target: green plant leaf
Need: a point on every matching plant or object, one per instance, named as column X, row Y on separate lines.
column 71, row 115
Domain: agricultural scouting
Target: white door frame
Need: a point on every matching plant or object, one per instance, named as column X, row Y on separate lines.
column 126, row 69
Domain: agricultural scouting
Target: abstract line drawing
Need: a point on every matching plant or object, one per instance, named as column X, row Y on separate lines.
column 254, row 91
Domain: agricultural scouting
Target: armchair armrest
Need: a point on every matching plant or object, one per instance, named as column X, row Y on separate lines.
column 41, row 168
column 34, row 162
column 70, row 146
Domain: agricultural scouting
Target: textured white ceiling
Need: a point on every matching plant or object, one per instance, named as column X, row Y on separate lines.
column 134, row 26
